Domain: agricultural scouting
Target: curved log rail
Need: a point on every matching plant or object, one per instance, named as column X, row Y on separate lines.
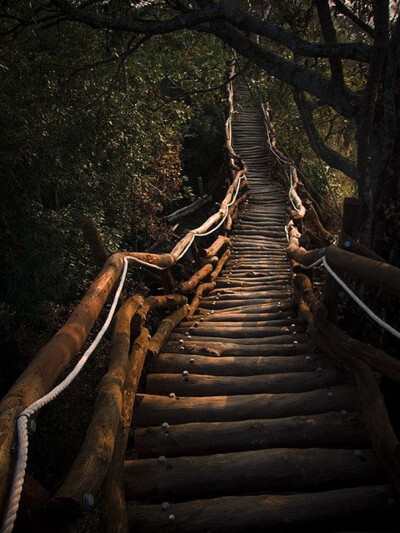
column 121, row 380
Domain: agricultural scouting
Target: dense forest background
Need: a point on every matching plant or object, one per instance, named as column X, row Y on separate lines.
column 118, row 128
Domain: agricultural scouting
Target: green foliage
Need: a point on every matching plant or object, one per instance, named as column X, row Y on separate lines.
column 89, row 130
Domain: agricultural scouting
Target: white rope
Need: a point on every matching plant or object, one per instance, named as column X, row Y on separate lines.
column 323, row 260
column 369, row 312
column 22, row 420
column 24, row 416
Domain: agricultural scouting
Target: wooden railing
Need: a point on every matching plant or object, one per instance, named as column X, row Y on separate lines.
column 357, row 358
column 98, row 469
column 348, row 259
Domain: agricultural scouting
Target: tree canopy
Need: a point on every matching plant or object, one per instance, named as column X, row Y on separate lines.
column 342, row 55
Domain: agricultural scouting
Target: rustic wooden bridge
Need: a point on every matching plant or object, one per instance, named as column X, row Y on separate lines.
column 257, row 412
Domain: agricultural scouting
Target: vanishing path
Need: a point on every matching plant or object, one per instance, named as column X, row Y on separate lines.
column 242, row 425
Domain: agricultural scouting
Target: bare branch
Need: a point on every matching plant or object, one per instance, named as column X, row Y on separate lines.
column 329, row 33
column 296, row 75
column 344, row 10
column 331, row 157
column 229, row 13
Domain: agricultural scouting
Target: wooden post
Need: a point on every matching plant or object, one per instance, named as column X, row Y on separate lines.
column 167, row 281
column 351, row 224
column 200, row 185
column 352, row 218
column 95, row 241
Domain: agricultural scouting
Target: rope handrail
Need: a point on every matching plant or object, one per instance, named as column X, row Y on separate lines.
column 160, row 262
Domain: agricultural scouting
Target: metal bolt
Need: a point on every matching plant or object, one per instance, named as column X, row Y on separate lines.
column 88, row 500
column 165, row 425
column 196, row 324
column 185, row 373
column 308, row 357
column 330, row 394
column 172, row 395
column 165, row 506
column 187, row 333
column 182, row 347
column 189, row 337
column 201, row 320
column 171, row 518
column 347, row 244
column 319, row 369
column 161, row 459
column 181, row 341
column 295, row 342
column 212, row 312
column 192, row 360
column 344, row 413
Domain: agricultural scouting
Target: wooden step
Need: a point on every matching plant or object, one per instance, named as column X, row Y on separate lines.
column 205, row 385
column 366, row 506
column 252, row 471
column 221, row 349
column 332, row 429
column 153, row 410
column 236, row 366
column 239, row 331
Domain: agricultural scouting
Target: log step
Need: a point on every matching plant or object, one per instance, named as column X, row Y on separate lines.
column 236, row 366
column 153, row 410
column 205, row 385
column 368, row 506
column 252, row 471
column 332, row 429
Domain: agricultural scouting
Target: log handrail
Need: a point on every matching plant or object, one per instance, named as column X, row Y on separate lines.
column 358, row 359
column 52, row 360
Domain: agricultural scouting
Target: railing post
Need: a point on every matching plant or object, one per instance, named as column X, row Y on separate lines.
column 351, row 226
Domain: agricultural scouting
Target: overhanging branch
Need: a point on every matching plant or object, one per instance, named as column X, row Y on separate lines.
column 330, row 156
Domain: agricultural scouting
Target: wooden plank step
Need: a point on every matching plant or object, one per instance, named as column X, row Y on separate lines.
column 239, row 331
column 236, row 366
column 239, row 302
column 332, row 429
column 278, row 317
column 367, row 506
column 153, row 410
column 238, row 340
column 252, row 471
column 221, row 349
column 206, row 385
column 208, row 322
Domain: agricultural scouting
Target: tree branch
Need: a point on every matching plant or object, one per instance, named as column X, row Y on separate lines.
column 344, row 10
column 331, row 157
column 296, row 75
column 369, row 100
column 329, row 33
column 229, row 13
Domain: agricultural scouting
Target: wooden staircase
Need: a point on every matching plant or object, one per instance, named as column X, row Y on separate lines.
column 242, row 424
